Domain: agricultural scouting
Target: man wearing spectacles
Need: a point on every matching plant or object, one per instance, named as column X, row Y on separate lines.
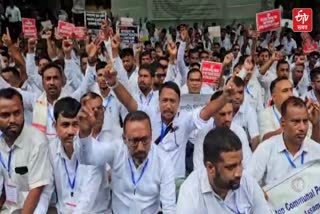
column 142, row 174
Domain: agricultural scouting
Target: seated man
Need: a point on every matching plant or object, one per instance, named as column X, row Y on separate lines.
column 219, row 186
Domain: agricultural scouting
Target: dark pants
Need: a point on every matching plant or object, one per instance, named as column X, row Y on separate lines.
column 15, row 29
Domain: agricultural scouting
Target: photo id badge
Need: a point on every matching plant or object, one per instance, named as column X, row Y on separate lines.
column 11, row 192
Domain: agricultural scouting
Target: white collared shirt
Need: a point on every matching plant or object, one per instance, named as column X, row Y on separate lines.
column 149, row 101
column 269, row 120
column 30, row 151
column 198, row 145
column 246, row 117
column 254, row 94
column 156, row 184
column 205, row 89
column 196, row 196
column 90, row 194
column 269, row 162
column 311, row 95
column 174, row 143
column 15, row 14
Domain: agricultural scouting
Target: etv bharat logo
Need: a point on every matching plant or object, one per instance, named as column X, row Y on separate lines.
column 302, row 19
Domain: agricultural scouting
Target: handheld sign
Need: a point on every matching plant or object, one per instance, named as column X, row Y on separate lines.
column 298, row 193
column 65, row 29
column 79, row 33
column 93, row 20
column 29, row 28
column 189, row 102
column 214, row 32
column 211, row 72
column 268, row 20
column 129, row 35
column 308, row 44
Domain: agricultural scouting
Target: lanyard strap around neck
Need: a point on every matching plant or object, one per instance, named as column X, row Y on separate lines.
column 8, row 166
column 135, row 182
column 73, row 182
column 291, row 161
column 276, row 115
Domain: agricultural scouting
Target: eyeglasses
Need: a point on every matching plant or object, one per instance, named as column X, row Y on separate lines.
column 135, row 141
column 160, row 75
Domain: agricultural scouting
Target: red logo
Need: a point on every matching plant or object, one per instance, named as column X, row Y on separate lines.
column 302, row 19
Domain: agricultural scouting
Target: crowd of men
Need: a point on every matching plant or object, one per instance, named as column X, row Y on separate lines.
column 89, row 127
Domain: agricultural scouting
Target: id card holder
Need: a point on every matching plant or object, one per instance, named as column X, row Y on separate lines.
column 11, row 192
column 71, row 206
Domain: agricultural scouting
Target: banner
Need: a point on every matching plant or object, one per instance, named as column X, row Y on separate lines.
column 29, row 28
column 79, row 33
column 299, row 193
column 211, row 72
column 189, row 102
column 129, row 34
column 308, row 44
column 93, row 20
column 268, row 20
column 214, row 32
column 65, row 29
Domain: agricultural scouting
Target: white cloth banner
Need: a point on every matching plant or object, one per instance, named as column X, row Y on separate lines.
column 299, row 193
column 190, row 102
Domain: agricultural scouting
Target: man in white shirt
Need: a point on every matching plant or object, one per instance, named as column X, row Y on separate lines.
column 142, row 174
column 289, row 44
column 13, row 14
column 244, row 115
column 222, row 118
column 79, row 188
column 25, row 168
column 194, row 84
column 314, row 94
column 278, row 156
column 219, row 186
column 270, row 117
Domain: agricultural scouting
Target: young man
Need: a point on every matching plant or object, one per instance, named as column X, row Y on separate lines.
column 219, row 186
column 25, row 167
column 79, row 188
column 142, row 174
column 314, row 94
column 223, row 118
column 278, row 156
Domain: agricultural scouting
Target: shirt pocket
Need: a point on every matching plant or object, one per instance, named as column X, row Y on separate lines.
column 21, row 178
column 169, row 143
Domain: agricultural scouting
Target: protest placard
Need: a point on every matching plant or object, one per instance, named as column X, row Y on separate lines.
column 79, row 33
column 308, row 44
column 211, row 72
column 189, row 102
column 65, row 29
column 268, row 20
column 129, row 34
column 214, row 31
column 29, row 28
column 93, row 20
column 299, row 193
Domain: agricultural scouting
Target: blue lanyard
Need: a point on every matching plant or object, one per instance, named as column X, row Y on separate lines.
column 276, row 115
column 248, row 92
column 135, row 182
column 71, row 184
column 108, row 102
column 163, row 130
column 50, row 115
column 148, row 100
column 291, row 162
column 9, row 162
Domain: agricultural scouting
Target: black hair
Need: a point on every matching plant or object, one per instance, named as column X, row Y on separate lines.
column 83, row 55
column 195, row 64
column 314, row 74
column 126, row 52
column 52, row 65
column 217, row 141
column 5, row 54
column 192, row 51
column 237, row 81
column 282, row 62
column 136, row 116
column 13, row 70
column 216, row 95
column 68, row 107
column 193, row 70
column 292, row 101
column 100, row 65
column 274, row 83
column 171, row 85
column 148, row 68
column 9, row 93
column 91, row 95
column 263, row 50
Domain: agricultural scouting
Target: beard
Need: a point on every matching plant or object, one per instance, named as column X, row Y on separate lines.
column 12, row 131
column 222, row 184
